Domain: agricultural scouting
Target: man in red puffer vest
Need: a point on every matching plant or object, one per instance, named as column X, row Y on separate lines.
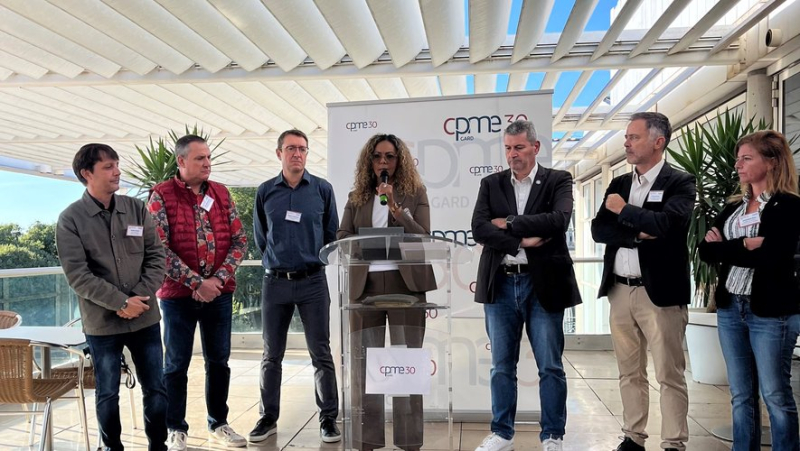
column 205, row 243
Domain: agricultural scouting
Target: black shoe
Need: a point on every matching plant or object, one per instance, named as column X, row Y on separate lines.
column 629, row 445
column 264, row 428
column 328, row 431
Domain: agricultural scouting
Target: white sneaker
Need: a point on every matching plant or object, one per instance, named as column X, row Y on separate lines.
column 176, row 441
column 553, row 444
column 494, row 442
column 227, row 436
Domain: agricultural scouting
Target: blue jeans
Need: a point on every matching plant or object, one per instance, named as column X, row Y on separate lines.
column 279, row 297
column 146, row 351
column 515, row 305
column 181, row 316
column 758, row 355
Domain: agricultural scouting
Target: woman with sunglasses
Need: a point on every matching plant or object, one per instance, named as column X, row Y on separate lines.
column 754, row 239
column 385, row 167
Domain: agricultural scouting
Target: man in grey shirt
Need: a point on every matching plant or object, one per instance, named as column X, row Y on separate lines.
column 114, row 261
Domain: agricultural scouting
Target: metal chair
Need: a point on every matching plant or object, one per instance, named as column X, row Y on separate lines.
column 9, row 319
column 89, row 383
column 18, row 386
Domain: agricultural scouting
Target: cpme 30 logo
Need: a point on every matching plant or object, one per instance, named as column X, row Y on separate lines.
column 462, row 128
column 389, row 371
column 355, row 126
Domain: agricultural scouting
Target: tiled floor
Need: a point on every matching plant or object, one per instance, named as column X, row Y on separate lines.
column 594, row 410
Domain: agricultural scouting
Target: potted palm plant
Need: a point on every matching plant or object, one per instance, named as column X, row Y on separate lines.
column 158, row 162
column 708, row 152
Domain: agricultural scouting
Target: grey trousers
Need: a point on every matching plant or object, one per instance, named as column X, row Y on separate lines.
column 368, row 330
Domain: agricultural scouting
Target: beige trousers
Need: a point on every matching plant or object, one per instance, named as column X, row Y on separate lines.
column 635, row 323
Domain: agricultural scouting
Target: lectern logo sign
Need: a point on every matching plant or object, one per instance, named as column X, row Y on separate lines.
column 398, row 371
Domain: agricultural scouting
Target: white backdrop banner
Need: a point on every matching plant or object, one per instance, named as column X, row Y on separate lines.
column 455, row 142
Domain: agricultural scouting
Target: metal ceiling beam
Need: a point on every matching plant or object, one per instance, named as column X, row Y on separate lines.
column 573, row 94
column 402, row 29
column 550, row 80
column 488, row 27
column 228, row 137
column 623, row 17
column 498, row 64
column 532, row 22
column 320, row 43
column 673, row 10
column 453, row 85
column 517, row 81
column 740, row 29
column 70, row 28
column 561, row 141
column 256, row 22
column 39, row 36
column 108, row 21
column 610, row 134
column 601, row 96
column 578, row 18
column 163, row 25
column 676, row 81
column 363, row 42
column 634, row 92
column 485, row 83
column 712, row 16
column 445, row 36
column 581, row 143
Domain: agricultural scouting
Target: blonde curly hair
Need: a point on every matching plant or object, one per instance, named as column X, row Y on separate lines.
column 407, row 181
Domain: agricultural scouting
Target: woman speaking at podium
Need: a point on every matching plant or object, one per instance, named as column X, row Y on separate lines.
column 387, row 192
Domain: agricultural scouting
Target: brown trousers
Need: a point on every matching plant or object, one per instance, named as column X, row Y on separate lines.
column 368, row 330
column 635, row 323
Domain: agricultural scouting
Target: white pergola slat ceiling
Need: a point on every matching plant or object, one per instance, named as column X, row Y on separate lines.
column 123, row 71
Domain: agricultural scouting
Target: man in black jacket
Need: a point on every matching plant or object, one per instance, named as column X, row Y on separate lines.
column 644, row 223
column 525, row 279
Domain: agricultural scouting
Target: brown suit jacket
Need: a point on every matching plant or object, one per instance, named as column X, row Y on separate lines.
column 418, row 278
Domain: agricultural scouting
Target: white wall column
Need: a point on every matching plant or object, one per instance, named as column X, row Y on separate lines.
column 759, row 96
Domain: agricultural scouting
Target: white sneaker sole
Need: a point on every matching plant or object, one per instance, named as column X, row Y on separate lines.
column 330, row 439
column 242, row 444
column 261, row 438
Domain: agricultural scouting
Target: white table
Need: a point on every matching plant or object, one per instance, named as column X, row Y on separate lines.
column 47, row 338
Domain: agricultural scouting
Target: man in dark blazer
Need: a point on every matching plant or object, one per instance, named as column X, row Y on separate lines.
column 525, row 279
column 644, row 223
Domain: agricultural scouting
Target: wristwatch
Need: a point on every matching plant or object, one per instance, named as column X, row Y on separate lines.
column 510, row 221
column 124, row 305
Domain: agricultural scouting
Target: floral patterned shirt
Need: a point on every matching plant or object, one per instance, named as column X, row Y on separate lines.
column 179, row 271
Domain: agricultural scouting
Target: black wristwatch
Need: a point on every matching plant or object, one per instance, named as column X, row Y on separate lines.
column 510, row 221
column 124, row 305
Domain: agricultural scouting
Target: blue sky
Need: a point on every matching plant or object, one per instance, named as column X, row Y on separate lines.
column 27, row 198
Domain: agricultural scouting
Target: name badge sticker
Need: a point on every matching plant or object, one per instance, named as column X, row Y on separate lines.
column 655, row 196
column 751, row 219
column 293, row 216
column 207, row 203
column 135, row 230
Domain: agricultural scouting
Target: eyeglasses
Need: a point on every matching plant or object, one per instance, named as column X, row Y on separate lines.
column 293, row 149
column 390, row 157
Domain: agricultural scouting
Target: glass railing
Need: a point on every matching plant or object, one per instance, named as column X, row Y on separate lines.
column 43, row 298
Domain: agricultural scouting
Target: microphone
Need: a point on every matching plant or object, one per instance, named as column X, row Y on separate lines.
column 384, row 179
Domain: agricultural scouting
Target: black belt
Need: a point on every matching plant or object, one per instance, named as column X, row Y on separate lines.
column 629, row 281
column 515, row 269
column 292, row 275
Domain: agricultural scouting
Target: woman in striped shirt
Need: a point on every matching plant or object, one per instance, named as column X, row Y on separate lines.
column 754, row 239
